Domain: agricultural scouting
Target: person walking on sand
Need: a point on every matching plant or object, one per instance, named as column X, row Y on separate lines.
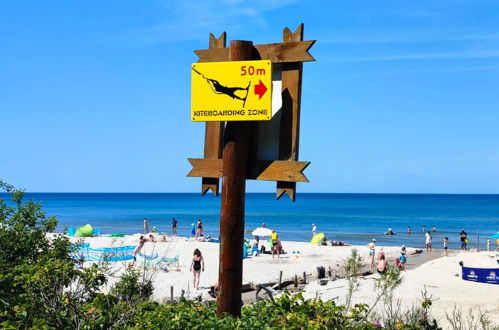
column 428, row 241
column 446, row 242
column 463, row 236
column 314, row 230
column 197, row 266
column 146, row 226
column 372, row 251
column 174, row 226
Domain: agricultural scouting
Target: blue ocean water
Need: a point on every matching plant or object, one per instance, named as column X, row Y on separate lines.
column 353, row 218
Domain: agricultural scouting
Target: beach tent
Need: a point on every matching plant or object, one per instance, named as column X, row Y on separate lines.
column 317, row 238
column 84, row 231
column 261, row 231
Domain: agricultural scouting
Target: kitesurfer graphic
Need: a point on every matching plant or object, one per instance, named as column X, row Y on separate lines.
column 221, row 89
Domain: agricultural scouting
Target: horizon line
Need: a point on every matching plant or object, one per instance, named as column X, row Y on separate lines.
column 253, row 192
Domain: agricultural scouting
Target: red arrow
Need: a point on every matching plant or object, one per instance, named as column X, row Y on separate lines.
column 260, row 89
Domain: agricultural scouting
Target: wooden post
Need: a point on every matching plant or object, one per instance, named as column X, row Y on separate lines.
column 304, row 278
column 171, row 293
column 296, row 281
column 235, row 153
column 280, row 279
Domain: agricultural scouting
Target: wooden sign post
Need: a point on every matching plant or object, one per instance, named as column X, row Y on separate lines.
column 232, row 149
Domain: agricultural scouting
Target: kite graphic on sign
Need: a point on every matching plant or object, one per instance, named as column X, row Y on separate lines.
column 218, row 88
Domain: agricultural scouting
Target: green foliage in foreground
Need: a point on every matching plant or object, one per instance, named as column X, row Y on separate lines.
column 42, row 287
column 288, row 312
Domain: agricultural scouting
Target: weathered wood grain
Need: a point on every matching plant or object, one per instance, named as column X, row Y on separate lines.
column 266, row 170
column 290, row 112
column 276, row 52
column 213, row 138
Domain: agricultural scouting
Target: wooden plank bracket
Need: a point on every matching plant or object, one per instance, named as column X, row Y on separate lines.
column 290, row 120
column 214, row 130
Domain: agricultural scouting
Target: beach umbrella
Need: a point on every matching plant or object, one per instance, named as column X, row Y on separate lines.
column 261, row 231
column 317, row 238
column 496, row 235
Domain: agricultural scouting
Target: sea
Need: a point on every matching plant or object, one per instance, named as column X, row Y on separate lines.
column 350, row 218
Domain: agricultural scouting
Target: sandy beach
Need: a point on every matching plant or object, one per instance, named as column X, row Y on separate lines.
column 439, row 274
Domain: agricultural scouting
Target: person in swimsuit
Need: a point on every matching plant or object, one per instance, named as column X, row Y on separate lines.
column 428, row 241
column 199, row 230
column 382, row 264
column 197, row 266
column 274, row 238
column 174, row 227
column 372, row 251
column 137, row 250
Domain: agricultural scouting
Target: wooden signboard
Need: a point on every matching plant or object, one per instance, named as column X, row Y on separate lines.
column 274, row 144
column 240, row 150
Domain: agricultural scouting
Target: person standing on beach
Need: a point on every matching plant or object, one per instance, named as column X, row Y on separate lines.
column 446, row 242
column 372, row 251
column 274, row 238
column 138, row 248
column 463, row 236
column 199, row 229
column 428, row 241
column 197, row 266
column 314, row 230
column 174, row 226
column 146, row 226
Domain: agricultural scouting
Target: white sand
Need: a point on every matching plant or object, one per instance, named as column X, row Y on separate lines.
column 438, row 275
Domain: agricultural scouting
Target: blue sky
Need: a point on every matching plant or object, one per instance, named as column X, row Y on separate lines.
column 403, row 97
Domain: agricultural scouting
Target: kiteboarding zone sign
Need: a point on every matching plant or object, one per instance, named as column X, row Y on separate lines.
column 231, row 91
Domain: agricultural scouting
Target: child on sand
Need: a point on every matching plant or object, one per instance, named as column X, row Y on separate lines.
column 197, row 266
column 402, row 261
column 372, row 251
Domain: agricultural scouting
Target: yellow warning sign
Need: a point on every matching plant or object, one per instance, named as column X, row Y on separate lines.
column 231, row 91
